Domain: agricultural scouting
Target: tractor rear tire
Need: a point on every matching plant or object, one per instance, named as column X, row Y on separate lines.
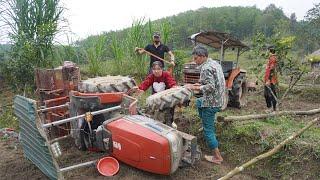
column 107, row 84
column 168, row 98
column 237, row 95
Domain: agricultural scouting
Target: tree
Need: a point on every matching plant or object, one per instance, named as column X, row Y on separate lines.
column 287, row 65
column 313, row 15
column 32, row 26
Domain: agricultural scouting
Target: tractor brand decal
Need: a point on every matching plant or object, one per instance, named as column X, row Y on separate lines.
column 116, row 145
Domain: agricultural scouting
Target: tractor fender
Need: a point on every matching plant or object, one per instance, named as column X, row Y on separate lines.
column 234, row 73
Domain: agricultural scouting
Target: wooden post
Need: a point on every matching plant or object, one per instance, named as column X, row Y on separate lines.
column 263, row 116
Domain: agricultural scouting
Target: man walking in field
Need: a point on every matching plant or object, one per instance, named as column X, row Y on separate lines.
column 270, row 80
column 212, row 85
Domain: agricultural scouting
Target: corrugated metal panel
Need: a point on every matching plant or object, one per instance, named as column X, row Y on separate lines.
column 35, row 146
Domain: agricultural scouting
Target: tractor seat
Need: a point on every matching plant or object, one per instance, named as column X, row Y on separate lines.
column 227, row 67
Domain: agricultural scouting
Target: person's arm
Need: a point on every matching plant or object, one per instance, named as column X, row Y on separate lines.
column 209, row 85
column 167, row 49
column 171, row 57
column 141, row 50
column 169, row 80
column 146, row 83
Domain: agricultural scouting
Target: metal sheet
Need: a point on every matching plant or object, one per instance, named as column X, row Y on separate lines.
column 35, row 145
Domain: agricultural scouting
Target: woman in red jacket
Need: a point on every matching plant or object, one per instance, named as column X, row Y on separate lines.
column 159, row 80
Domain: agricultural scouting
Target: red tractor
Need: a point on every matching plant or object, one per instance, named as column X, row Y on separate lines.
column 103, row 120
column 234, row 76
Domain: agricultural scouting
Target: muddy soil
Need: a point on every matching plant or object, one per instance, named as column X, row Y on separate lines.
column 14, row 165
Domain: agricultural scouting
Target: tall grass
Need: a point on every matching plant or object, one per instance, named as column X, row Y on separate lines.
column 136, row 38
column 118, row 52
column 166, row 31
column 124, row 60
column 95, row 55
column 32, row 26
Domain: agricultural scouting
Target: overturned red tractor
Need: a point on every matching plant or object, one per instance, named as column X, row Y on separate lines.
column 101, row 118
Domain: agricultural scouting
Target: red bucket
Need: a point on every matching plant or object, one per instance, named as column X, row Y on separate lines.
column 108, row 166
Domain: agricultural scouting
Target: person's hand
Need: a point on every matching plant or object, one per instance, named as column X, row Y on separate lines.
column 189, row 86
column 140, row 92
column 134, row 88
column 194, row 87
column 139, row 50
column 268, row 83
column 172, row 60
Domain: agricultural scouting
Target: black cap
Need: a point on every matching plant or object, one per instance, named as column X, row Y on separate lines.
column 156, row 35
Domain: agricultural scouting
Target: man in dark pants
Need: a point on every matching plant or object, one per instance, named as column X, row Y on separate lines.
column 158, row 49
column 270, row 80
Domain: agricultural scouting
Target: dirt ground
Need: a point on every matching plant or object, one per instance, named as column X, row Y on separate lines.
column 13, row 165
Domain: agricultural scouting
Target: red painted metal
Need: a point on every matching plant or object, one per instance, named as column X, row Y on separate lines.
column 234, row 73
column 140, row 147
column 105, row 98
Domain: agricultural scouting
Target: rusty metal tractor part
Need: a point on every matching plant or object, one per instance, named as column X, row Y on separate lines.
column 191, row 73
column 53, row 87
column 107, row 84
column 57, row 82
column 168, row 98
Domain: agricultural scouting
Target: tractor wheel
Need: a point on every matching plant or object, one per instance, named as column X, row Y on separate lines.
column 237, row 95
column 107, row 84
column 168, row 98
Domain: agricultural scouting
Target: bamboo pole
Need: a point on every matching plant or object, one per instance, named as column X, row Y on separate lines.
column 269, row 153
column 151, row 54
column 262, row 116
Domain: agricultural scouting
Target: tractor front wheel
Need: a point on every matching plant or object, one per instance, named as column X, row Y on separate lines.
column 237, row 95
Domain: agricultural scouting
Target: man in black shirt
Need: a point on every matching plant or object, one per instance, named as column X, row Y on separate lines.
column 158, row 49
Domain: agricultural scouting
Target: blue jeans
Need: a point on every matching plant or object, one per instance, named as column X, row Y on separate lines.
column 207, row 115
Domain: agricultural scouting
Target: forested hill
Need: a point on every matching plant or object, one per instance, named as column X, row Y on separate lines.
column 242, row 22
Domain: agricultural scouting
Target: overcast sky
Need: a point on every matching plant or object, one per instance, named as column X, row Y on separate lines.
column 88, row 17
